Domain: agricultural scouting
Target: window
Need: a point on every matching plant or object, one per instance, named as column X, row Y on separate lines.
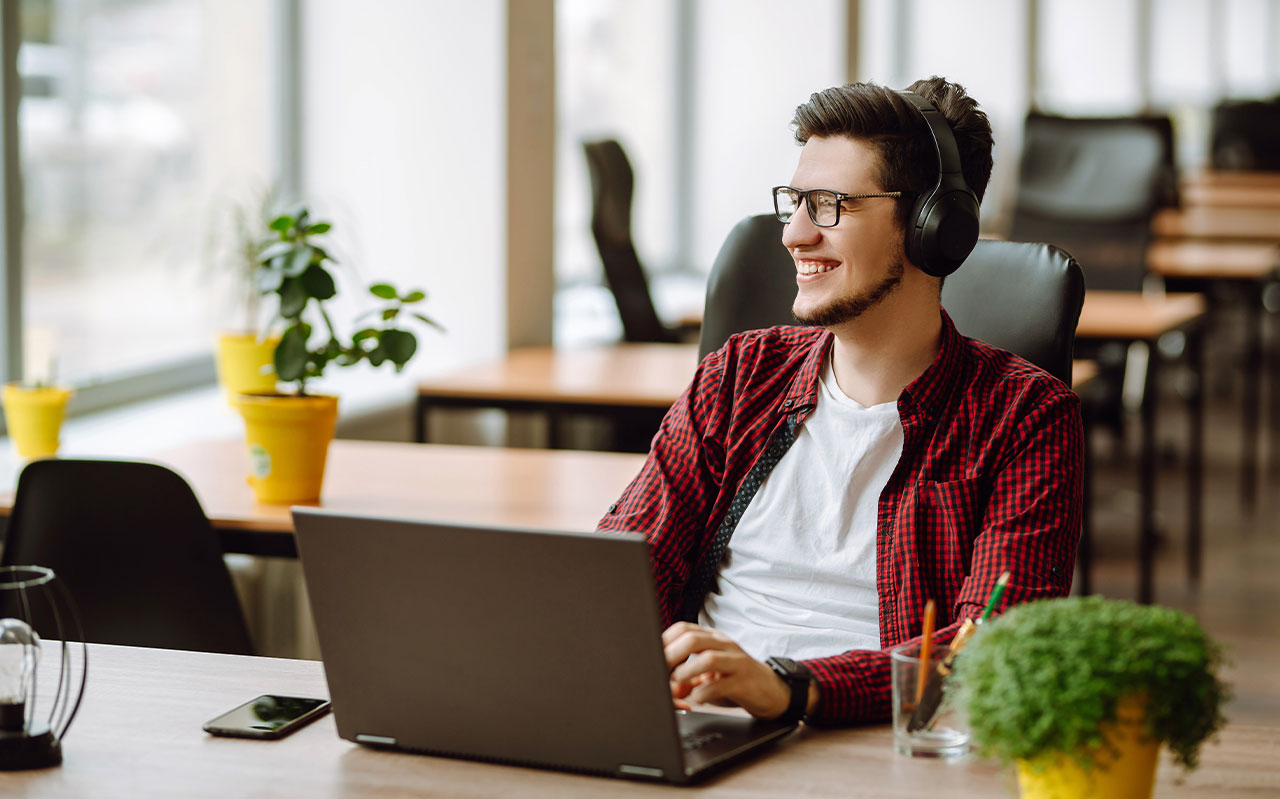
column 140, row 121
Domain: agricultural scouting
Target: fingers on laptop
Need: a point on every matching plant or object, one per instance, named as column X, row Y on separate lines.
column 707, row 667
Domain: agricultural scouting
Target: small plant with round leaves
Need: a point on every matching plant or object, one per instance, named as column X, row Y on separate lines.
column 295, row 267
column 1044, row 678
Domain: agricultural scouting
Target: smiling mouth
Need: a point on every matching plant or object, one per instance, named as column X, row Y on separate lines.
column 815, row 267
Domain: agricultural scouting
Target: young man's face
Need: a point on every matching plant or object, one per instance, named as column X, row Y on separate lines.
column 846, row 270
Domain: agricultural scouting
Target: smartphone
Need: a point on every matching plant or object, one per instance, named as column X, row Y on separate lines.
column 269, row 716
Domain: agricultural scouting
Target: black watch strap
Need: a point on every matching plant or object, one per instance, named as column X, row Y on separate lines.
column 797, row 677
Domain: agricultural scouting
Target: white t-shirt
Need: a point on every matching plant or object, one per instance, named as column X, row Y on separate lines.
column 798, row 578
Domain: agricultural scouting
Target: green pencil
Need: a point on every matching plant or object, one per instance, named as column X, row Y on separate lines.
column 995, row 596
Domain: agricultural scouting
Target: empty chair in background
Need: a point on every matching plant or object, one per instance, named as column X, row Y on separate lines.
column 135, row 549
column 1246, row 135
column 1091, row 186
column 612, row 187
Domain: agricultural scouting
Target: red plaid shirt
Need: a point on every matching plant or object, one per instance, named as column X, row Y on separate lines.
column 989, row 481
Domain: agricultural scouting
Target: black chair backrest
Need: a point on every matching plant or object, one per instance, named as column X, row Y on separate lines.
column 612, row 185
column 1091, row 186
column 1246, row 135
column 1020, row 297
column 131, row 543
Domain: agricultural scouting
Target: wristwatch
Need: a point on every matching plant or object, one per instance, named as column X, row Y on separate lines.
column 797, row 677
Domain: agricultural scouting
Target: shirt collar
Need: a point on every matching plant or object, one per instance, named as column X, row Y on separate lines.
column 933, row 388
column 928, row 393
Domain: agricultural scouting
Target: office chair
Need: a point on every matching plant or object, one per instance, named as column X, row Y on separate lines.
column 1024, row 298
column 612, row 184
column 1091, row 186
column 1246, row 135
column 135, row 549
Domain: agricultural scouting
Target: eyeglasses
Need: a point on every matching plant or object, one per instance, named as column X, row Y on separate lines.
column 823, row 204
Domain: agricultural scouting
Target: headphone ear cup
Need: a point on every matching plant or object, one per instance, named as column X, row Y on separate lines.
column 944, row 232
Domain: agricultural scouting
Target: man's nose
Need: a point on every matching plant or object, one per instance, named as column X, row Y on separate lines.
column 800, row 230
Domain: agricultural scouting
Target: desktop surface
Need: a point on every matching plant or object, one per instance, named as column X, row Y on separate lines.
column 138, row 735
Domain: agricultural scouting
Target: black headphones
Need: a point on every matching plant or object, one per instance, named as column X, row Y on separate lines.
column 943, row 226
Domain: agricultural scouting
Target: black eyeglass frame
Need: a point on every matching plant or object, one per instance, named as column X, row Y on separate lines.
column 803, row 195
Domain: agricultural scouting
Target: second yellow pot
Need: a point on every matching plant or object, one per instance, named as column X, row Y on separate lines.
column 34, row 418
column 245, row 364
column 1128, row 773
column 288, row 439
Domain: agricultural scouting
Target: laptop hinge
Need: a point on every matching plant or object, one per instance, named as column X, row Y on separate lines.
column 641, row 771
column 377, row 740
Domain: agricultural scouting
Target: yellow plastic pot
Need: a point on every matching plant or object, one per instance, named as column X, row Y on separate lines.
column 34, row 417
column 1128, row 774
column 288, row 439
column 245, row 364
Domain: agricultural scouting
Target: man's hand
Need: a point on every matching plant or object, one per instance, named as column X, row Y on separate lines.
column 707, row 667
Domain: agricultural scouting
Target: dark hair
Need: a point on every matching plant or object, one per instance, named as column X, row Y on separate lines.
column 893, row 128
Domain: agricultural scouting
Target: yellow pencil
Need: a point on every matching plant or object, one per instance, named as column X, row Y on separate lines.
column 926, row 649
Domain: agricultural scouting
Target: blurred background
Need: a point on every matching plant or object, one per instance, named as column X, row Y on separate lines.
column 140, row 122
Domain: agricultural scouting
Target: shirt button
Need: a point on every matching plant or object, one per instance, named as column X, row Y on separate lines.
column 787, row 404
column 613, row 507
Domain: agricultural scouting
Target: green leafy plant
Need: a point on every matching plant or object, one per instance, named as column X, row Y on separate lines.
column 1041, row 679
column 296, row 268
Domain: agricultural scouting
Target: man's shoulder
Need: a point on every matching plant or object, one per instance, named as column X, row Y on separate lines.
column 1001, row 377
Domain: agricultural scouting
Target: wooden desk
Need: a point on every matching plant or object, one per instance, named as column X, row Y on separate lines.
column 138, row 736
column 1231, row 196
column 1231, row 178
column 480, row 485
column 1247, row 266
column 1129, row 317
column 1208, row 222
column 632, row 384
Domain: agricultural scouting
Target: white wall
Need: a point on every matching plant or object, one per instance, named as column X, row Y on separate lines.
column 404, row 125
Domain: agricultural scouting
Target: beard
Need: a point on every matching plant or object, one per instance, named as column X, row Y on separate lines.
column 846, row 309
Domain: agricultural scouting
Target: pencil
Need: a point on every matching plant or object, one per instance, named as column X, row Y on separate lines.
column 926, row 647
column 995, row 596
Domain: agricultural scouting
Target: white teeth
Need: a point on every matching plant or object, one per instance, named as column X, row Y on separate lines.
column 813, row 268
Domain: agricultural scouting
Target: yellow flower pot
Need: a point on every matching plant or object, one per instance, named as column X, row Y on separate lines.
column 34, row 417
column 245, row 364
column 1128, row 773
column 288, row 439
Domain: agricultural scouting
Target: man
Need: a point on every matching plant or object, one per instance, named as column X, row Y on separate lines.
column 815, row 485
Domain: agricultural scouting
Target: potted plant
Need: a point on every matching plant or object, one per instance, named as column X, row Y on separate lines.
column 288, row 434
column 34, row 414
column 244, row 353
column 34, row 408
column 1081, row 692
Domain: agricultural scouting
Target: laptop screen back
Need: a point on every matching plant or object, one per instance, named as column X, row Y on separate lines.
column 515, row 645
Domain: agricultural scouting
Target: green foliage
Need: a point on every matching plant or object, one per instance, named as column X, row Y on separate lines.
column 294, row 267
column 1040, row 679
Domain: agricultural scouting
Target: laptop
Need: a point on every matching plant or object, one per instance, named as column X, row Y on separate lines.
column 500, row 644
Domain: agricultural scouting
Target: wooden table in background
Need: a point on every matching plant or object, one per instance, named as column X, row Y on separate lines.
column 1247, row 266
column 1217, row 178
column 1217, row 223
column 1128, row 317
column 569, row 491
column 138, row 736
column 633, row 385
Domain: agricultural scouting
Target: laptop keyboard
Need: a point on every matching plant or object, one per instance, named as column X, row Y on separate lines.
column 697, row 740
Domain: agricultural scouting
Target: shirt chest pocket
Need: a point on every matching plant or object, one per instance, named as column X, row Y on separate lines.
column 950, row 516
